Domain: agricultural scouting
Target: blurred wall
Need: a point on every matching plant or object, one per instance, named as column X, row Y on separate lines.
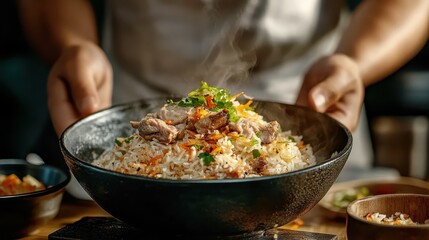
column 398, row 115
column 22, row 88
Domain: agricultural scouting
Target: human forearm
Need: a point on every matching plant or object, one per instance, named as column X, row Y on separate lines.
column 53, row 25
column 385, row 34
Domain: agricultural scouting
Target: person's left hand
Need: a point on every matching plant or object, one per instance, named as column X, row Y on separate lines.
column 333, row 85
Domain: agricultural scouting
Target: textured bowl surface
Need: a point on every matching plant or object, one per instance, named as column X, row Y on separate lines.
column 415, row 205
column 209, row 207
column 22, row 214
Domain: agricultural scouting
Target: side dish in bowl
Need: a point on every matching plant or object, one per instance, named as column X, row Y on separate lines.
column 227, row 192
column 31, row 196
column 336, row 200
column 389, row 216
column 12, row 184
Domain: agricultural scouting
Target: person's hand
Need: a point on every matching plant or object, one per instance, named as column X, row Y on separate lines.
column 333, row 85
column 79, row 83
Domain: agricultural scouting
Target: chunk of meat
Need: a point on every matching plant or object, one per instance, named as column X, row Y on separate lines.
column 259, row 166
column 244, row 126
column 212, row 122
column 174, row 114
column 181, row 129
column 154, row 128
column 269, row 132
column 247, row 127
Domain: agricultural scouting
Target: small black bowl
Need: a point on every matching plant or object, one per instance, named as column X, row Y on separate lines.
column 222, row 207
column 22, row 214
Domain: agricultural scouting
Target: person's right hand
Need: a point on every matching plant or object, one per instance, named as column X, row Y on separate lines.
column 80, row 83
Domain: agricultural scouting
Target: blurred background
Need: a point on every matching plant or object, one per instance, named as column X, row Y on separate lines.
column 397, row 107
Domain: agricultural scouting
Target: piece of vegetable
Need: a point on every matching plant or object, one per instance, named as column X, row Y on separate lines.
column 343, row 198
column 256, row 153
column 211, row 98
column 206, row 157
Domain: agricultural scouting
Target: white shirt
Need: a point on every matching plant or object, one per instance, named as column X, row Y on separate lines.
column 166, row 47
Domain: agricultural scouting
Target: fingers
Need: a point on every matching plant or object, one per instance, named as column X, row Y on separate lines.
column 347, row 112
column 62, row 110
column 79, row 84
column 74, row 67
column 333, row 86
column 330, row 91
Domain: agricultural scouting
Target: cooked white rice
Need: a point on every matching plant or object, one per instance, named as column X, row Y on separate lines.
column 233, row 155
column 395, row 219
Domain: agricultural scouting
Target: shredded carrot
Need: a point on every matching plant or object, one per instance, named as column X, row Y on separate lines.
column 169, row 122
column 121, row 169
column 209, row 102
column 233, row 135
column 242, row 139
column 216, row 150
column 154, row 160
column 190, row 132
column 190, row 143
column 236, row 96
column 187, row 147
column 216, row 136
column 248, row 103
column 154, row 172
column 199, row 112
column 301, row 145
column 240, row 108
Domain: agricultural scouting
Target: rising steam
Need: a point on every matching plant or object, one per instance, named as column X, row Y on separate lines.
column 226, row 65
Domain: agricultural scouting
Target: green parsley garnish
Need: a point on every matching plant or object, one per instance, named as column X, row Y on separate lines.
column 206, row 157
column 198, row 147
column 118, row 142
column 128, row 139
column 256, row 153
column 291, row 138
column 253, row 142
column 220, row 98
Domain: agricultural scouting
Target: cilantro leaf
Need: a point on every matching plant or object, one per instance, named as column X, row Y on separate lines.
column 253, row 142
column 256, row 153
column 206, row 157
column 118, row 142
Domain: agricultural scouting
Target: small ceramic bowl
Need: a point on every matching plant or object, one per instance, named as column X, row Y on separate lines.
column 414, row 205
column 22, row 214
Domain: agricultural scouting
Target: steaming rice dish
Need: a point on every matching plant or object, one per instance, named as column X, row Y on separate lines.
column 207, row 135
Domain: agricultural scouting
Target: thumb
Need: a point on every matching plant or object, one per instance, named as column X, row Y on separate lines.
column 322, row 96
column 87, row 103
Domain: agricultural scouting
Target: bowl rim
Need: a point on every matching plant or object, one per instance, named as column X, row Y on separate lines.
column 51, row 189
column 127, row 105
column 353, row 215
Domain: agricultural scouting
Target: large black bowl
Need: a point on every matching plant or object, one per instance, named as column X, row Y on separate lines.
column 22, row 214
column 209, row 207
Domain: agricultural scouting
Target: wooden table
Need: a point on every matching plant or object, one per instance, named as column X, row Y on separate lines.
column 73, row 210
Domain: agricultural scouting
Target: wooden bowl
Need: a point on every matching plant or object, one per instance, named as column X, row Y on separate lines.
column 374, row 187
column 415, row 205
